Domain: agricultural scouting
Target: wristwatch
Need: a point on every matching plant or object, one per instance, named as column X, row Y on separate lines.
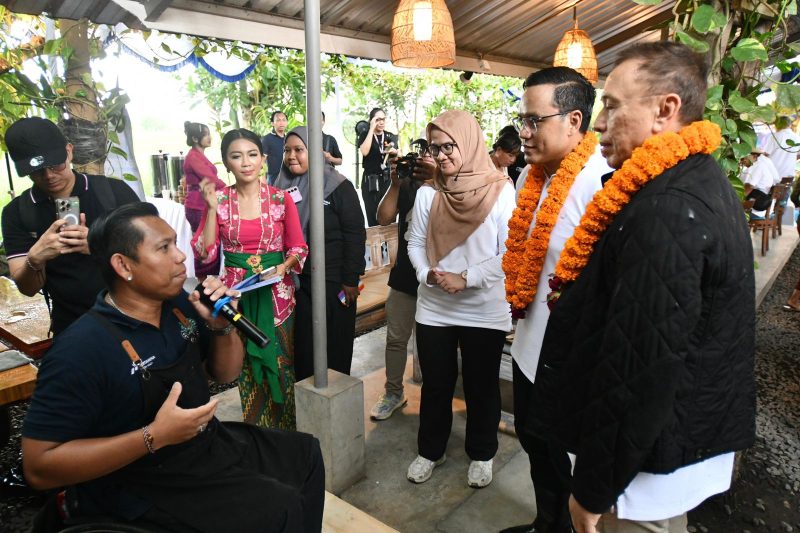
column 464, row 275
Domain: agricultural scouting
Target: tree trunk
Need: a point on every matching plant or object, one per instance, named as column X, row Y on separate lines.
column 87, row 134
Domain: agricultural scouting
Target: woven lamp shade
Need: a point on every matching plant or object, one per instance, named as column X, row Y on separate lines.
column 422, row 35
column 577, row 52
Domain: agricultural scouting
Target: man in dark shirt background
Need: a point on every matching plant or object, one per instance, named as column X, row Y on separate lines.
column 272, row 143
column 43, row 250
column 330, row 148
column 401, row 303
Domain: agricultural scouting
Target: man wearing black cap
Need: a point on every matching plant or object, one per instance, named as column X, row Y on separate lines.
column 43, row 250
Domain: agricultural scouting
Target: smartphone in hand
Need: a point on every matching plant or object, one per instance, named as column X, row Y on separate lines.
column 268, row 273
column 69, row 209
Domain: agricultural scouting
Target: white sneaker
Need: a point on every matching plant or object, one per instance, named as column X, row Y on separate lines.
column 420, row 469
column 386, row 405
column 479, row 474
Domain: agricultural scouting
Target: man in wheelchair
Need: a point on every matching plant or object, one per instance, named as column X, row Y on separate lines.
column 122, row 425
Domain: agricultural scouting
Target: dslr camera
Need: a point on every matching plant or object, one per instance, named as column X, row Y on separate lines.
column 406, row 164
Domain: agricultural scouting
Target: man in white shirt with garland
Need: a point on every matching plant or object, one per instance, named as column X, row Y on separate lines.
column 565, row 166
column 646, row 372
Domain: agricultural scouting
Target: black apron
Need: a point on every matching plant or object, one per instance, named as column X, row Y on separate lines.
column 206, row 483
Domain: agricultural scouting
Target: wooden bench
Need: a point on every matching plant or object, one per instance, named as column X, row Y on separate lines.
column 341, row 517
column 381, row 254
column 24, row 320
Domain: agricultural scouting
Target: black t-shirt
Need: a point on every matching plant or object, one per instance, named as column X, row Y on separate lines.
column 87, row 387
column 372, row 162
column 330, row 145
column 73, row 280
column 402, row 276
column 272, row 144
column 516, row 167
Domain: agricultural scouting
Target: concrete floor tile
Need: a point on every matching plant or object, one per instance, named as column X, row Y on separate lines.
column 391, row 445
column 507, row 502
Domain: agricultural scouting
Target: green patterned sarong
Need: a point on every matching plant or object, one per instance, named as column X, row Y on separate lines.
column 257, row 306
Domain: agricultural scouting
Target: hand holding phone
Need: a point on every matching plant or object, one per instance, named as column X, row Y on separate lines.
column 69, row 209
column 268, row 273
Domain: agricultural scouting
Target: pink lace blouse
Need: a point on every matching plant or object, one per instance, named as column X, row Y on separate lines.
column 278, row 230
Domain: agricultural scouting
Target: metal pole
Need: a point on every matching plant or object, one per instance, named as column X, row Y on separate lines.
column 315, row 164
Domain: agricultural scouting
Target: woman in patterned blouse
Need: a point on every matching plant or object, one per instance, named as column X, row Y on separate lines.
column 259, row 228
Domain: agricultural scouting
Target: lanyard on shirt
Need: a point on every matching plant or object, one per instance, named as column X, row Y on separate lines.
column 381, row 148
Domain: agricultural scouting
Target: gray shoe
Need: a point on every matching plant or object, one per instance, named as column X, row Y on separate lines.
column 479, row 474
column 420, row 469
column 386, row 405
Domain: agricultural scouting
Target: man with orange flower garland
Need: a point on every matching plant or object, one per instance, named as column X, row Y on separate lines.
column 566, row 167
column 646, row 369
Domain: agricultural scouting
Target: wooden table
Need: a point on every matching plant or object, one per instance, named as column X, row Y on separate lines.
column 24, row 320
column 17, row 384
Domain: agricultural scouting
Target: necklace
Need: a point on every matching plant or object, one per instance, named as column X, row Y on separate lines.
column 657, row 154
column 525, row 255
column 110, row 301
column 235, row 203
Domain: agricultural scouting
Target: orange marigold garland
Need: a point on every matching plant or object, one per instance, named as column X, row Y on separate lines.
column 657, row 154
column 524, row 257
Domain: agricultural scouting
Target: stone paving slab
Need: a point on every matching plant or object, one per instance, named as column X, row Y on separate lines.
column 507, row 502
column 391, row 444
column 768, row 267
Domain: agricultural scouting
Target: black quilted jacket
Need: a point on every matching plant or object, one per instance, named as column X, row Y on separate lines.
column 647, row 362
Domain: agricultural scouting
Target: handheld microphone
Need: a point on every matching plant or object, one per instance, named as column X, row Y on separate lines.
column 223, row 307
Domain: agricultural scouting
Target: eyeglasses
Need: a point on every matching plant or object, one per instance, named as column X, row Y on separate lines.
column 532, row 122
column 446, row 149
column 51, row 168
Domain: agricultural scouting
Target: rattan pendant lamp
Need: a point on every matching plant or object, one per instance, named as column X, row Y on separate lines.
column 576, row 51
column 422, row 35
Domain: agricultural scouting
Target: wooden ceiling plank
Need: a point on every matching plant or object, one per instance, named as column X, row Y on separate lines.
column 155, row 8
column 631, row 31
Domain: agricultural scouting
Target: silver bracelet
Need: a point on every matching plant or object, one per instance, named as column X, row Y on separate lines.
column 220, row 332
column 30, row 265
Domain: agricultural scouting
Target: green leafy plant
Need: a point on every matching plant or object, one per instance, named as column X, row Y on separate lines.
column 60, row 88
column 742, row 39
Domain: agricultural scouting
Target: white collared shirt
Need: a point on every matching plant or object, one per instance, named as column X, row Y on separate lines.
column 762, row 174
column 660, row 496
column 482, row 304
column 782, row 154
column 530, row 330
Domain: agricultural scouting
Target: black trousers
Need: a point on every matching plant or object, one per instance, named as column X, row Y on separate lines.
column 373, row 197
column 550, row 467
column 480, row 364
column 285, row 467
column 341, row 325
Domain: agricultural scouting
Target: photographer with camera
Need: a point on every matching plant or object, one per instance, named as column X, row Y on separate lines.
column 408, row 174
column 376, row 148
column 45, row 227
